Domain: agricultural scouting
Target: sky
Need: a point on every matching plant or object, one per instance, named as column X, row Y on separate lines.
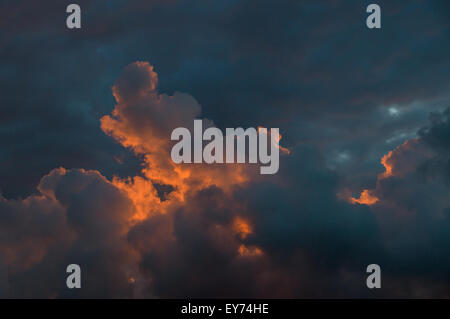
column 86, row 175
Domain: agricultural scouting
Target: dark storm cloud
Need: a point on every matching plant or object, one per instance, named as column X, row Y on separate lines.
column 341, row 94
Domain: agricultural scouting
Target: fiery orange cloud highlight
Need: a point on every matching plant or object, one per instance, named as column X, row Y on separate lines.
column 366, row 198
column 284, row 150
column 242, row 227
column 249, row 251
column 388, row 166
column 142, row 121
column 143, row 195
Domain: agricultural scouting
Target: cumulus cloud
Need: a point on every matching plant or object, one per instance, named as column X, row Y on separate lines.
column 143, row 120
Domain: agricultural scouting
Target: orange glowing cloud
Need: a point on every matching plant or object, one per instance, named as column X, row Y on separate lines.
column 275, row 143
column 242, row 227
column 387, row 165
column 249, row 251
column 143, row 120
column 398, row 162
column 366, row 198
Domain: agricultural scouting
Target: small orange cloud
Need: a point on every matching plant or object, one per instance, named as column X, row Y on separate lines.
column 284, row 150
column 249, row 251
column 365, row 198
column 242, row 227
